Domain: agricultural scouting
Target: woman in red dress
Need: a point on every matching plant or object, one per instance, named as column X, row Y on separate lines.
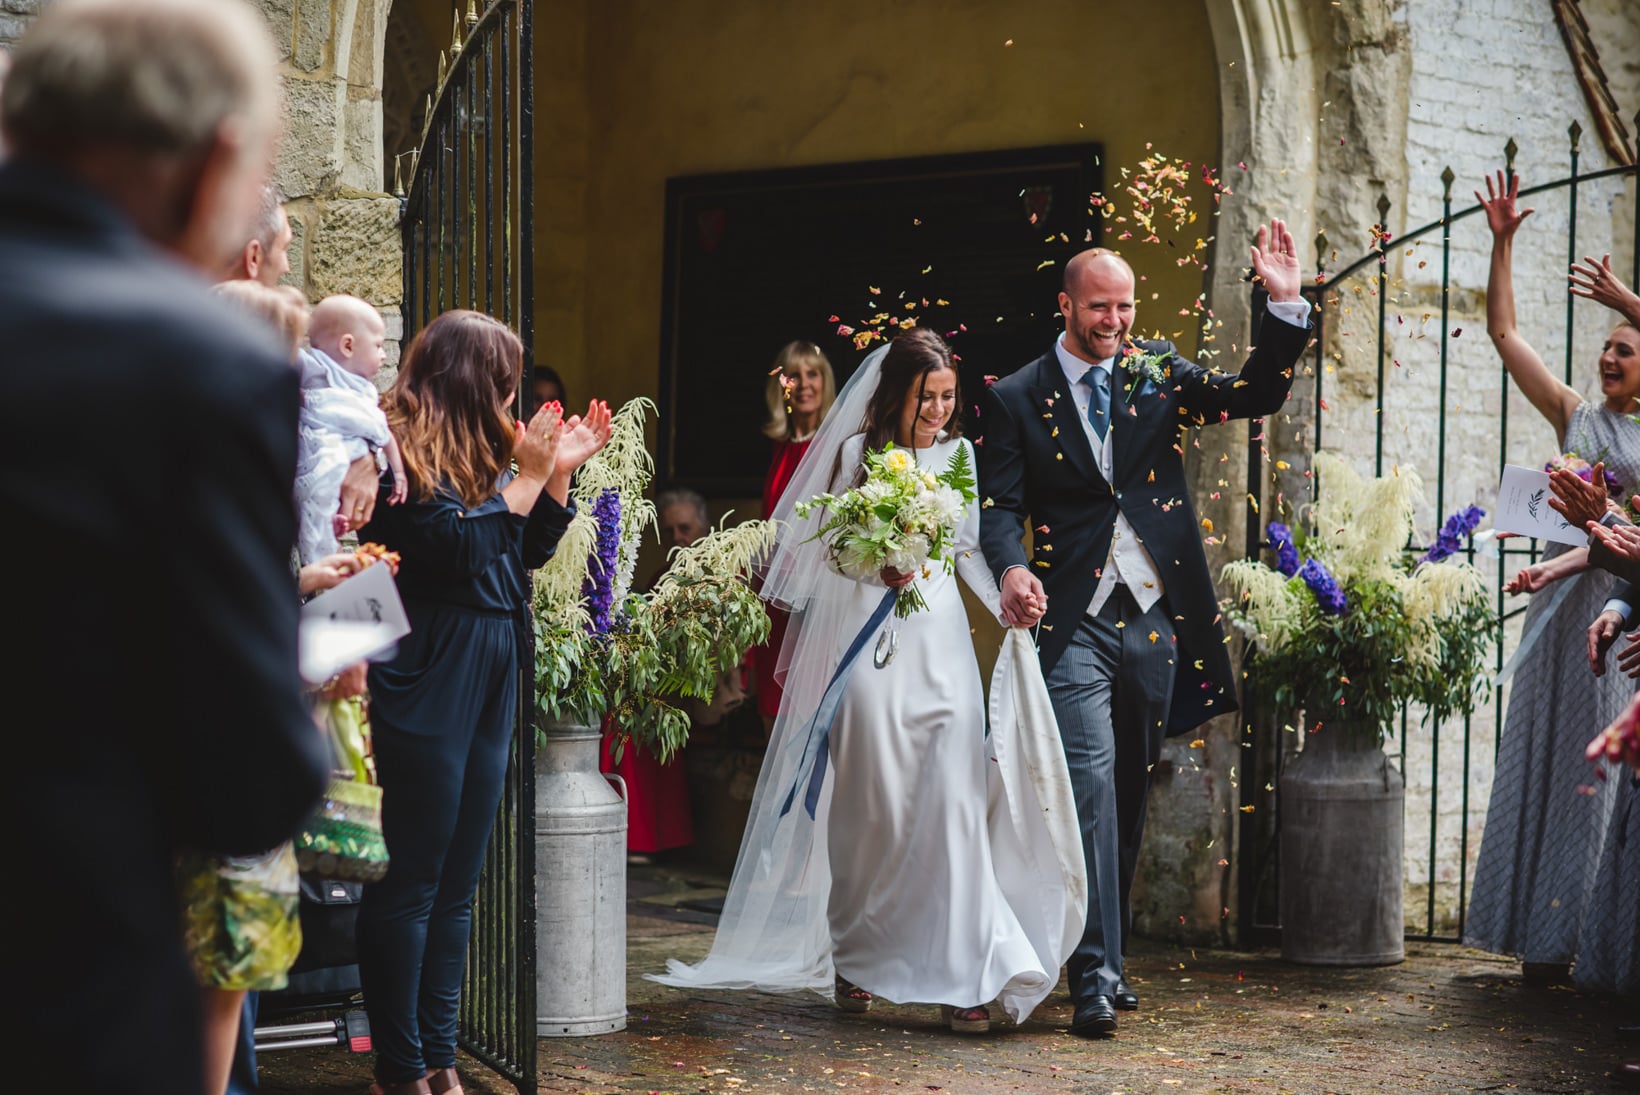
column 800, row 392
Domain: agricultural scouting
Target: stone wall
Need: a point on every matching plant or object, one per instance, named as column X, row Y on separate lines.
column 330, row 164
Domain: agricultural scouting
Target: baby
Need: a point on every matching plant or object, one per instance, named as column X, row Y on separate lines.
column 341, row 417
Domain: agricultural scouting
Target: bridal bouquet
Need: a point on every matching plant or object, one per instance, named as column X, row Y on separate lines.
column 901, row 517
column 1348, row 624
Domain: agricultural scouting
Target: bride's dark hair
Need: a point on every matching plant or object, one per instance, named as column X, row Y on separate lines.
column 910, row 358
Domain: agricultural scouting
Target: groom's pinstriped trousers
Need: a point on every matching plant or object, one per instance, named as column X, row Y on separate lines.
column 1110, row 691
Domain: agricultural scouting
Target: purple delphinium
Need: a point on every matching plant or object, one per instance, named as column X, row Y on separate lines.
column 599, row 586
column 1449, row 541
column 1281, row 542
column 1328, row 596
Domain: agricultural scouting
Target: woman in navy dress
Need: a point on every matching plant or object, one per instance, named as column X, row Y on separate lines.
column 442, row 710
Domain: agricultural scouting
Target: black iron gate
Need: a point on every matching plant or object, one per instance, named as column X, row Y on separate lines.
column 1358, row 297
column 468, row 243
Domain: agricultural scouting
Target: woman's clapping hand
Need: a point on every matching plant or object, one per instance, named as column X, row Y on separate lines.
column 583, row 436
column 536, row 446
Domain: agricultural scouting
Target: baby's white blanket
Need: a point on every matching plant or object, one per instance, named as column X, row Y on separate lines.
column 341, row 421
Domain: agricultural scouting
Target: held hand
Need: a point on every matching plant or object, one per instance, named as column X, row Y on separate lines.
column 1024, row 601
column 583, row 436
column 401, row 490
column 1577, row 499
column 1499, row 203
column 893, row 579
column 535, row 448
column 1275, row 262
column 358, row 498
column 1602, row 633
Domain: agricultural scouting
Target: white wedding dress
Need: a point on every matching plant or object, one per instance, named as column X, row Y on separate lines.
column 943, row 863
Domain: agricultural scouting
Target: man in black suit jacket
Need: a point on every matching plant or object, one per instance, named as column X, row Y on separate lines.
column 147, row 454
column 1083, row 447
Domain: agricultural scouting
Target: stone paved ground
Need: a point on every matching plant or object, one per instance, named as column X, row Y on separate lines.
column 1446, row 1020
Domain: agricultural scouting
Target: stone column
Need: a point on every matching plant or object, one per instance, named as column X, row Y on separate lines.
column 330, row 165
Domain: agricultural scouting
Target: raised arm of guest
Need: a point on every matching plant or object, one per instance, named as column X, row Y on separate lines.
column 1553, row 399
column 1596, row 281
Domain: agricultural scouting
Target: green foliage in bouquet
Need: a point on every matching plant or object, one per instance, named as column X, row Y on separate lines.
column 601, row 649
column 902, row 517
column 1362, row 627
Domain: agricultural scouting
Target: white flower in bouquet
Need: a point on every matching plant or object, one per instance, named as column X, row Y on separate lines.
column 901, row 517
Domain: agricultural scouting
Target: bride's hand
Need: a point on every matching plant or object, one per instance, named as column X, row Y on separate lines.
column 893, row 579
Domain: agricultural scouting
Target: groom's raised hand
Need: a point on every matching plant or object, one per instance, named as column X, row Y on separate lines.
column 1275, row 262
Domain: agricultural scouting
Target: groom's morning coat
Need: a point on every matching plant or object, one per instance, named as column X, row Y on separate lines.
column 1036, row 465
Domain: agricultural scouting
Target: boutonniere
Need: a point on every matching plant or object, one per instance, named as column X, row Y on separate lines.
column 1143, row 366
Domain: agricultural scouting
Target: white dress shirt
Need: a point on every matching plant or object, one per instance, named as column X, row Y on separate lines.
column 1130, row 564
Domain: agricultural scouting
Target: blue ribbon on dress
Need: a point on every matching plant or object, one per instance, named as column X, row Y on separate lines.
column 816, row 750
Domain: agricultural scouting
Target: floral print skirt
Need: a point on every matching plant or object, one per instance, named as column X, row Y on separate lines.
column 240, row 921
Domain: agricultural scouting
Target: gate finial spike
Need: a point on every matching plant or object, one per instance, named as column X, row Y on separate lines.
column 426, row 123
column 443, row 67
column 472, row 15
column 1383, row 210
column 1509, row 151
column 1447, row 178
column 455, row 31
column 398, row 175
column 1575, row 131
column 1321, row 250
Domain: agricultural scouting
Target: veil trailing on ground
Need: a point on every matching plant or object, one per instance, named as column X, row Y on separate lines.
column 774, row 933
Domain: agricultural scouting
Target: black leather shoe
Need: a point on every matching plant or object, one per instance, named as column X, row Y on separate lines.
column 1125, row 997
column 1095, row 1019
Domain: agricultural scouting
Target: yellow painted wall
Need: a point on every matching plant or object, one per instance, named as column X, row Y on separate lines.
column 676, row 87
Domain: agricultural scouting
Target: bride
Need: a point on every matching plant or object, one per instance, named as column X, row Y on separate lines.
column 898, row 846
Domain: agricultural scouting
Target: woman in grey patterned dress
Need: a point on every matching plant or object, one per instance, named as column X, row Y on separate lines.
column 1548, row 816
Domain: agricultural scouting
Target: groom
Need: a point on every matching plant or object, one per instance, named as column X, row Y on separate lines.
column 1082, row 446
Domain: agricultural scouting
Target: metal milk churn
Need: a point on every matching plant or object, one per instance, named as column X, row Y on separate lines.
column 580, row 887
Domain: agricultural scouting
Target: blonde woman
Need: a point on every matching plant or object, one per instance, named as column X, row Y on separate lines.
column 800, row 392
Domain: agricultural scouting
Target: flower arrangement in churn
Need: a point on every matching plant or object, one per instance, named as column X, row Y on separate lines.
column 602, row 649
column 1348, row 625
column 902, row 517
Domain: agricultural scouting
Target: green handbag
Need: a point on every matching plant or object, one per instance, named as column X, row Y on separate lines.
column 342, row 838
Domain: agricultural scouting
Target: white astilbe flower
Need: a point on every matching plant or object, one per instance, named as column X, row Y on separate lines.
column 724, row 550
column 1361, row 525
column 626, row 467
column 558, row 583
column 1440, row 592
column 1262, row 599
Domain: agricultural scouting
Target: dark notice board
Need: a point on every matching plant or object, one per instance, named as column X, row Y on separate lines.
column 756, row 259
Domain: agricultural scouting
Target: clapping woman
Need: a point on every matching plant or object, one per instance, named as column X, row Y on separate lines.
column 443, row 708
column 1538, row 858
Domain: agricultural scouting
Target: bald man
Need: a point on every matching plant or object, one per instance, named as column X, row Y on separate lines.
column 1081, row 446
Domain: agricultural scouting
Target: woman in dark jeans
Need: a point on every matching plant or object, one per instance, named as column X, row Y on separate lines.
column 442, row 710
